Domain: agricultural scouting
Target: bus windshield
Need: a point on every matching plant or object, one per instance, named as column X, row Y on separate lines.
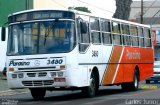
column 41, row 37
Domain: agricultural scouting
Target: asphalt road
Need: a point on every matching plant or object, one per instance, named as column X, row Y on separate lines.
column 148, row 94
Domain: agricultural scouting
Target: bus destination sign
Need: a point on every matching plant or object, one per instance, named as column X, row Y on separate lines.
column 37, row 15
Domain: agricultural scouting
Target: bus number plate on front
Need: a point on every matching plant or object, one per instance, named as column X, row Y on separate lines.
column 55, row 61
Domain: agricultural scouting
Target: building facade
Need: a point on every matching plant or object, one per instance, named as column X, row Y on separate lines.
column 151, row 16
column 10, row 6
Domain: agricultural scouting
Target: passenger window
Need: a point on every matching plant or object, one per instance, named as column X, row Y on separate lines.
column 105, row 25
column 141, row 37
column 84, row 37
column 116, row 33
column 115, row 27
column 140, row 32
column 133, row 30
column 147, row 35
column 96, row 39
column 94, row 24
column 117, row 39
column 125, row 29
column 126, row 40
column 95, row 30
column 107, row 38
column 135, row 41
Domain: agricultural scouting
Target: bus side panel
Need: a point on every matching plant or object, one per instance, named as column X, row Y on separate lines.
column 146, row 67
column 125, row 72
column 113, row 64
column 131, row 58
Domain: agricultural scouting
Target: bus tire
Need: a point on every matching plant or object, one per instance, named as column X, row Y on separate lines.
column 91, row 90
column 132, row 86
column 135, row 84
column 38, row 93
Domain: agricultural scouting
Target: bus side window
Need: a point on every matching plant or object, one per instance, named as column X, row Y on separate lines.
column 3, row 34
column 147, row 37
column 84, row 36
column 116, row 33
column 141, row 36
column 134, row 35
column 95, row 30
column 106, row 31
column 126, row 34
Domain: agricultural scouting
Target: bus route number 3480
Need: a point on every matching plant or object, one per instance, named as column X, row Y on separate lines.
column 54, row 61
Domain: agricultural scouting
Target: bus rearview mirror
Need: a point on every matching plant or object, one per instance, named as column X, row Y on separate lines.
column 3, row 34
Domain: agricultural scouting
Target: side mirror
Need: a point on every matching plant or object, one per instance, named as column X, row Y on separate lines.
column 3, row 34
column 83, row 26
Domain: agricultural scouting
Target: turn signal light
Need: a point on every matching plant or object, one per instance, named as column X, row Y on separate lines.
column 62, row 67
column 11, row 69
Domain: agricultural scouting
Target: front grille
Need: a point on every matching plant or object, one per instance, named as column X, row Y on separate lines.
column 31, row 74
column 38, row 83
column 42, row 74
column 38, row 74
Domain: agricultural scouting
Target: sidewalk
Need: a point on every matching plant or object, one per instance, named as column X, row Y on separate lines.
column 5, row 91
column 3, row 83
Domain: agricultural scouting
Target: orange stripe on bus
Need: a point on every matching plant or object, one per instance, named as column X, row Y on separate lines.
column 112, row 65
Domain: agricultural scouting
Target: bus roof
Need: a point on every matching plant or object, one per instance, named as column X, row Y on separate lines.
column 83, row 13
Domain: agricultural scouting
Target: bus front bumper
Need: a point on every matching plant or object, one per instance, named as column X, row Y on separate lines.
column 22, row 80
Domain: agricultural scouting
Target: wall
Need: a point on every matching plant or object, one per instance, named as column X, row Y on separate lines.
column 50, row 4
column 9, row 6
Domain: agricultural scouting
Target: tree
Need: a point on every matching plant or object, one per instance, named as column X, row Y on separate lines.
column 84, row 9
column 123, row 9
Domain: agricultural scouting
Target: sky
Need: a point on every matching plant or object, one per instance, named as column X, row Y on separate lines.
column 98, row 7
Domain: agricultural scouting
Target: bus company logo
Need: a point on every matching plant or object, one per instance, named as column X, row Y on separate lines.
column 133, row 55
column 36, row 62
column 22, row 63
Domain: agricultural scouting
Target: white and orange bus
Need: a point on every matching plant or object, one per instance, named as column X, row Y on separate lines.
column 57, row 49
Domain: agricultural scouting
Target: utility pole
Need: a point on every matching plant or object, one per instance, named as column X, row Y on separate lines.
column 27, row 4
column 141, row 11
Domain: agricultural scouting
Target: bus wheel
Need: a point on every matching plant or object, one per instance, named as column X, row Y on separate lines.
column 135, row 84
column 38, row 93
column 91, row 90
